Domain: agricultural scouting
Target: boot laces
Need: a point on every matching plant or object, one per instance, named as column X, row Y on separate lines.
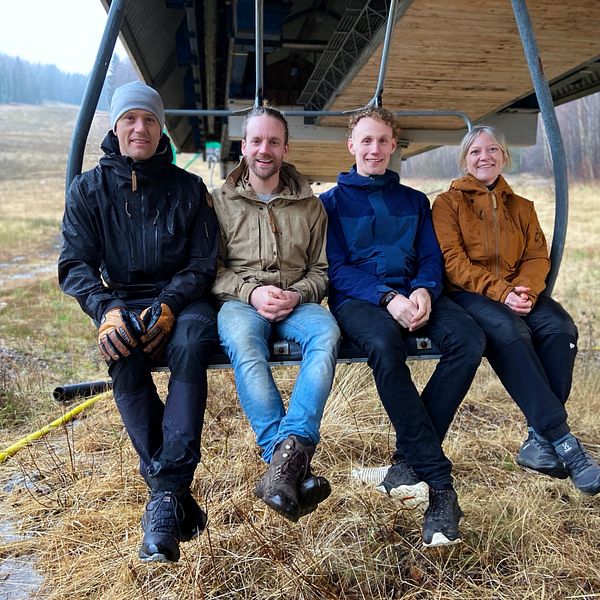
column 165, row 514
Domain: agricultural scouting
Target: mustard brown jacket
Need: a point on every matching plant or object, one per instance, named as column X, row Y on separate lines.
column 491, row 240
column 280, row 243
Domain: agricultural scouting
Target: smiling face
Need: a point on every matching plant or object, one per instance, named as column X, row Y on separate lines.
column 372, row 143
column 484, row 159
column 265, row 149
column 138, row 132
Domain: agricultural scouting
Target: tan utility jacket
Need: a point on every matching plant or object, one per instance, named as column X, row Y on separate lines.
column 491, row 239
column 279, row 243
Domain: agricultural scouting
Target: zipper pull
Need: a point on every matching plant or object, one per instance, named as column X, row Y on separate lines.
column 272, row 222
column 133, row 181
column 494, row 200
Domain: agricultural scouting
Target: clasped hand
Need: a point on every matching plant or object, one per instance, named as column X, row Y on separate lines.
column 121, row 330
column 518, row 300
column 273, row 303
column 412, row 312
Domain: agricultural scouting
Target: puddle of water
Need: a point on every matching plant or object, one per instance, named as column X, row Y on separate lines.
column 9, row 534
column 18, row 579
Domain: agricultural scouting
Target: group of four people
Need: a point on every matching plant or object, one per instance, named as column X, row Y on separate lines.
column 167, row 271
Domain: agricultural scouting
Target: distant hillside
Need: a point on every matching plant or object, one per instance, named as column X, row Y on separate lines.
column 24, row 82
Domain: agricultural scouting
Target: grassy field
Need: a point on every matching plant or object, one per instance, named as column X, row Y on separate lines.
column 71, row 502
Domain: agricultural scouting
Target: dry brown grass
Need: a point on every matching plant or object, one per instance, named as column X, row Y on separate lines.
column 71, row 502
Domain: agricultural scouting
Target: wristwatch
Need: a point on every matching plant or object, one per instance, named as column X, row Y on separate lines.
column 387, row 298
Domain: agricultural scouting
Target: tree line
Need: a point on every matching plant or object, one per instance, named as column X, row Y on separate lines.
column 25, row 82
column 579, row 123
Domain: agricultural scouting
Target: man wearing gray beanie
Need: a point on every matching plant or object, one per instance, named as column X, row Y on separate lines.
column 139, row 247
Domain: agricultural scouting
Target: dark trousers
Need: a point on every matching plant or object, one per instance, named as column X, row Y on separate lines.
column 167, row 436
column 420, row 421
column 533, row 356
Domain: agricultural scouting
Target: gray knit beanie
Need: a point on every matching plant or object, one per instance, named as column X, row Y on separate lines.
column 136, row 95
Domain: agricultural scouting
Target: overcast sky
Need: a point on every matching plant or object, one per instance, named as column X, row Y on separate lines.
column 65, row 33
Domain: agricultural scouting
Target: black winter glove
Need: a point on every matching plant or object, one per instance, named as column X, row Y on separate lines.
column 158, row 321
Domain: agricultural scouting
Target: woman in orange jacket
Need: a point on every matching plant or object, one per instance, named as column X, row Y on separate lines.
column 496, row 262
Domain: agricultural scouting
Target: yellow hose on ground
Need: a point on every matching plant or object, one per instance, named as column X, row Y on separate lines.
column 7, row 452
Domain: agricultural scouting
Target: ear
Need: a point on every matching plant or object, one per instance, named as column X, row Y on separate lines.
column 286, row 149
column 394, row 144
column 351, row 148
column 244, row 147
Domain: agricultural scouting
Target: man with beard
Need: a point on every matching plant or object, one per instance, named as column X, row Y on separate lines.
column 139, row 253
column 271, row 278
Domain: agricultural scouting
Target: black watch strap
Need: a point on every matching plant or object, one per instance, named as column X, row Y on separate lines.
column 387, row 298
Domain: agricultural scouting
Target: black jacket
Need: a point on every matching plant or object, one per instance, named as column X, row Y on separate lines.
column 148, row 235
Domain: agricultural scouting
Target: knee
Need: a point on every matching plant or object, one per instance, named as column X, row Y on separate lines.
column 193, row 341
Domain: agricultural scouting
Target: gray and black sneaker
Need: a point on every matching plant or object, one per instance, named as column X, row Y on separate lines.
column 583, row 469
column 280, row 485
column 442, row 518
column 402, row 484
column 160, row 523
column 193, row 521
column 538, row 454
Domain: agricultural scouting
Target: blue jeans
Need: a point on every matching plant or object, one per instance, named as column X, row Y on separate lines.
column 245, row 336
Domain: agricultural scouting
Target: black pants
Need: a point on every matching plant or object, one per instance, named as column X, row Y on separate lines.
column 420, row 421
column 533, row 356
column 167, row 436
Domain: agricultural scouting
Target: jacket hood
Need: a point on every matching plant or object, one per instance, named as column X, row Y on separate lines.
column 124, row 164
column 295, row 185
column 389, row 178
column 471, row 184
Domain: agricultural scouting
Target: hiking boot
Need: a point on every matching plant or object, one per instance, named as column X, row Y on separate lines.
column 279, row 486
column 402, row 484
column 583, row 469
column 313, row 490
column 194, row 518
column 160, row 523
column 538, row 454
column 440, row 524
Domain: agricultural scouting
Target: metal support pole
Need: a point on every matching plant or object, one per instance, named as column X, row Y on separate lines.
column 258, row 18
column 389, row 28
column 94, row 89
column 557, row 150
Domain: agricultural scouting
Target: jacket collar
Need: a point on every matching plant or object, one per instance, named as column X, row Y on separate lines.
column 124, row 165
column 471, row 184
column 352, row 178
column 295, row 185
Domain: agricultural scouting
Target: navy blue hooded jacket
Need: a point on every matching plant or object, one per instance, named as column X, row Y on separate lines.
column 380, row 238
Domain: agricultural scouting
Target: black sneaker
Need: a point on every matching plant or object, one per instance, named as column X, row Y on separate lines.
column 160, row 523
column 538, row 454
column 442, row 517
column 194, row 518
column 402, row 484
column 313, row 490
column 583, row 469
column 279, row 486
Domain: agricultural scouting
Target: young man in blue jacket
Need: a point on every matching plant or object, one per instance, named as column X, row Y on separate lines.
column 139, row 254
column 385, row 272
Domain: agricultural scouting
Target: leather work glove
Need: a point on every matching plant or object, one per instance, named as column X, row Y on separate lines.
column 119, row 332
column 158, row 320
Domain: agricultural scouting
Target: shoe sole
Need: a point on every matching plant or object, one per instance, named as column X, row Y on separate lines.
column 439, row 539
column 157, row 557
column 414, row 496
